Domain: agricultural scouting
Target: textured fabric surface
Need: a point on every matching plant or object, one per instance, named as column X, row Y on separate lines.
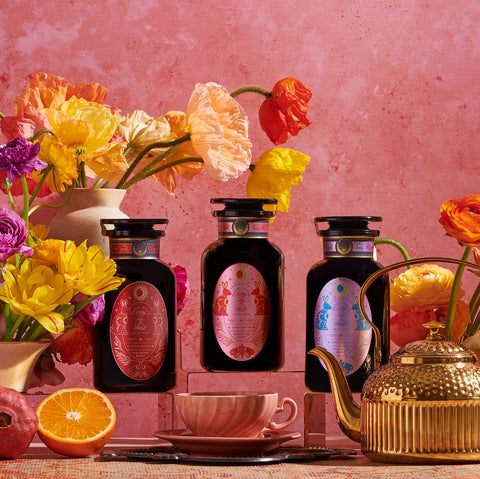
column 44, row 465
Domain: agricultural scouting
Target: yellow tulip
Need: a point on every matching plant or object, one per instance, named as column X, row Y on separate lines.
column 36, row 290
column 86, row 270
column 275, row 173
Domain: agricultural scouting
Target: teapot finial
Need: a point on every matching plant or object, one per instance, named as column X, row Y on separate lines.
column 434, row 329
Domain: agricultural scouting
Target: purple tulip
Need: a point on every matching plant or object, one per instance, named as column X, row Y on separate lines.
column 19, row 157
column 13, row 234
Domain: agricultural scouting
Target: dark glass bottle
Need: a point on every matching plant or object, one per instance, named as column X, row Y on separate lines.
column 334, row 320
column 135, row 345
column 242, row 291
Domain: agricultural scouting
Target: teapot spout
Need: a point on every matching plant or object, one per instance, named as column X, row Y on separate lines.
column 347, row 410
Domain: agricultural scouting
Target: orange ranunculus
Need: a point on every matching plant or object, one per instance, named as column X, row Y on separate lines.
column 427, row 286
column 461, row 320
column 461, row 219
column 50, row 91
column 218, row 127
column 406, row 326
column 284, row 113
column 75, row 345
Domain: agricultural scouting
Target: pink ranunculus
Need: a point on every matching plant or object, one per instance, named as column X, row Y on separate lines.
column 183, row 286
column 13, row 235
column 91, row 313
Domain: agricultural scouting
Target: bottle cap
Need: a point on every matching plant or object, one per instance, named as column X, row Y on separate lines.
column 133, row 227
column 245, row 207
column 347, row 226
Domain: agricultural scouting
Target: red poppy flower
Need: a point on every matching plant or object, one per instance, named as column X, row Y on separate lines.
column 284, row 113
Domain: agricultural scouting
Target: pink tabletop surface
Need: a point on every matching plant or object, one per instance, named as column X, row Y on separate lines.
column 37, row 463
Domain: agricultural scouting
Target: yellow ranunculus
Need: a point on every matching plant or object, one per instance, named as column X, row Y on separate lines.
column 427, row 286
column 86, row 270
column 36, row 290
column 275, row 173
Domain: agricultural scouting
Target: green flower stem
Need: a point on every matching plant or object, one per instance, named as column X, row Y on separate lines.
column 148, row 148
column 454, row 294
column 13, row 328
column 41, row 132
column 97, row 183
column 48, row 205
column 46, row 171
column 163, row 167
column 10, row 197
column 2, row 115
column 145, row 172
column 35, row 331
column 397, row 245
column 252, row 88
column 26, row 200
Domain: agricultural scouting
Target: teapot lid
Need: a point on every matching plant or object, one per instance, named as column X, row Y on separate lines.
column 434, row 349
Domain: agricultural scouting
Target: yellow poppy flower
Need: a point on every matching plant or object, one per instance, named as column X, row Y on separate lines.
column 427, row 286
column 275, row 173
column 86, row 270
column 218, row 128
column 64, row 170
column 86, row 129
column 36, row 290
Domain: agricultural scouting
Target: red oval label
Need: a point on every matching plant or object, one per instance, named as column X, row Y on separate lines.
column 139, row 330
column 241, row 311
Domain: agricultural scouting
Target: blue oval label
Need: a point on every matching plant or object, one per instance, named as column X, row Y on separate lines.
column 340, row 326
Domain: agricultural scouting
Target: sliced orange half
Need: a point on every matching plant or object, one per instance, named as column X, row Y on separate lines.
column 76, row 422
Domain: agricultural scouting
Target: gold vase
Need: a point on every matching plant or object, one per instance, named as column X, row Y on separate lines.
column 17, row 361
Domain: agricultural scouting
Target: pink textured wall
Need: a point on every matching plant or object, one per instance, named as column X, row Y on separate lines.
column 395, row 117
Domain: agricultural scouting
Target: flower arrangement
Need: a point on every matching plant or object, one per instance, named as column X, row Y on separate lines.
column 430, row 292
column 86, row 143
column 62, row 136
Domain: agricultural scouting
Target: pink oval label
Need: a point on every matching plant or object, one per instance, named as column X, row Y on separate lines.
column 241, row 311
column 139, row 330
column 340, row 326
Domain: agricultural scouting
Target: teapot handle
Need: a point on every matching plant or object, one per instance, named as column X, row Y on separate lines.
column 371, row 279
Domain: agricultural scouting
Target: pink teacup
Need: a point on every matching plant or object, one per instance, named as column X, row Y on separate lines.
column 232, row 414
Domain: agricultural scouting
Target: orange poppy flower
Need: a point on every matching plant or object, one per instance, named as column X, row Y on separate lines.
column 284, row 113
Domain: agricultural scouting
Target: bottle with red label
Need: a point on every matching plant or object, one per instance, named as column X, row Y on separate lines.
column 334, row 320
column 135, row 345
column 242, row 290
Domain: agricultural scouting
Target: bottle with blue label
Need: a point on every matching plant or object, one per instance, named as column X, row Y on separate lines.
column 334, row 320
column 242, row 290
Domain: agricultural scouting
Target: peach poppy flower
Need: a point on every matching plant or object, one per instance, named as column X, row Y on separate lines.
column 218, row 128
column 460, row 219
column 75, row 345
column 188, row 170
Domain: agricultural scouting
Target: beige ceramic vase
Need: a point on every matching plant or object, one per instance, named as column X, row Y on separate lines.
column 80, row 219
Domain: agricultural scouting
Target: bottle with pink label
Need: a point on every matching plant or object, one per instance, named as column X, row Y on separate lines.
column 334, row 320
column 135, row 345
column 242, row 290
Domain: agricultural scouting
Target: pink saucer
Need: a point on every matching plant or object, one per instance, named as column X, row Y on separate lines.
column 225, row 446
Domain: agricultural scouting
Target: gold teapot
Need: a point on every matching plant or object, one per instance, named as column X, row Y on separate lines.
column 423, row 406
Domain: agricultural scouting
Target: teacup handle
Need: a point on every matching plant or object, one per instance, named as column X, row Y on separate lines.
column 273, row 426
